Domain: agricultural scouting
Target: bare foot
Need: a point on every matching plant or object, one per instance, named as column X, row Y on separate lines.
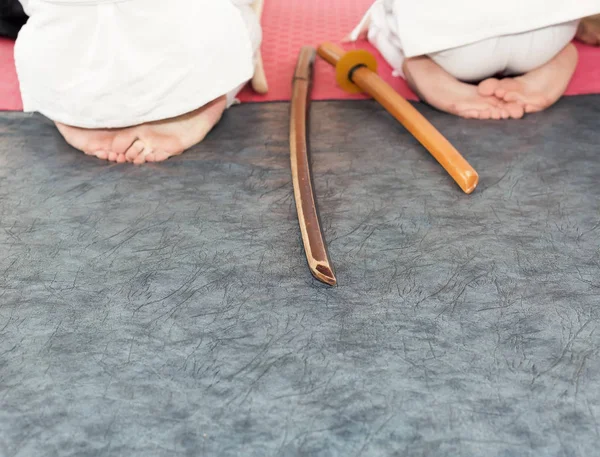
column 151, row 142
column 589, row 30
column 538, row 89
column 443, row 91
column 157, row 141
column 93, row 142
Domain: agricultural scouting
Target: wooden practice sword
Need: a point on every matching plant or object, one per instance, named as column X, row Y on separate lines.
column 308, row 215
column 357, row 72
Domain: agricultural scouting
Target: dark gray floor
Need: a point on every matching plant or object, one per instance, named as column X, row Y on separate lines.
column 167, row 310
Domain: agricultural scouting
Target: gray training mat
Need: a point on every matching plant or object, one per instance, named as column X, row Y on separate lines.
column 167, row 310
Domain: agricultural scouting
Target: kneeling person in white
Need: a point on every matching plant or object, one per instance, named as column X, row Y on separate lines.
column 135, row 80
column 477, row 59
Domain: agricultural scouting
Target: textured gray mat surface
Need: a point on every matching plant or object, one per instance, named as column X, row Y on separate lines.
column 166, row 310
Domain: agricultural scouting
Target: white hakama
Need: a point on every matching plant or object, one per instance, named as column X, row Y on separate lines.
column 474, row 39
column 118, row 63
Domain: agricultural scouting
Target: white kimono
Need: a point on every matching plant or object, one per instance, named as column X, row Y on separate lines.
column 510, row 36
column 118, row 63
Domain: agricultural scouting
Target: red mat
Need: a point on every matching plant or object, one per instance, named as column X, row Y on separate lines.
column 290, row 24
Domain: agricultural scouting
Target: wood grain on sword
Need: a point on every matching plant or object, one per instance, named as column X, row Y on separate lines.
column 306, row 205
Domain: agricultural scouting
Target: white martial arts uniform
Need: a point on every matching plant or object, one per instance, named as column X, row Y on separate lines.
column 118, row 63
column 474, row 39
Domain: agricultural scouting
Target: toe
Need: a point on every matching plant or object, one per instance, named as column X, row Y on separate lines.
column 493, row 101
column 506, row 86
column 513, row 97
column 500, row 93
column 488, row 87
column 112, row 156
column 135, row 150
column 515, row 110
column 121, row 158
column 123, row 140
column 102, row 155
column 485, row 114
column 141, row 158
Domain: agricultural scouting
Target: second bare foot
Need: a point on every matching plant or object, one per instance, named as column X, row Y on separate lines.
column 443, row 91
column 538, row 89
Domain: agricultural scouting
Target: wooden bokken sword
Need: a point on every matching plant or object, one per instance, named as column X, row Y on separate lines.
column 306, row 205
column 356, row 71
